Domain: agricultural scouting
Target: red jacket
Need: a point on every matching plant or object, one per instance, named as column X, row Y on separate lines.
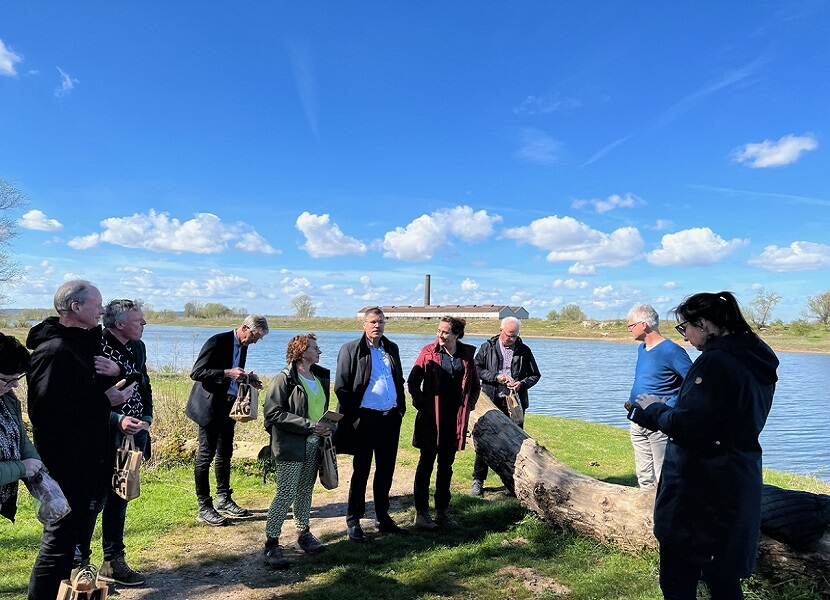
column 424, row 386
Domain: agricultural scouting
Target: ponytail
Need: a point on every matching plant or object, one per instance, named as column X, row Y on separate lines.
column 721, row 309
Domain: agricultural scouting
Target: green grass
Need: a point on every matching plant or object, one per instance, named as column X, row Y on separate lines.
column 496, row 533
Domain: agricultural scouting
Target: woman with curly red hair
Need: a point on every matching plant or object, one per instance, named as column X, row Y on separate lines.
column 299, row 396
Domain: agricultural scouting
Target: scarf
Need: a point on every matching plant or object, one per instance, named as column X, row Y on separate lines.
column 114, row 350
column 9, row 447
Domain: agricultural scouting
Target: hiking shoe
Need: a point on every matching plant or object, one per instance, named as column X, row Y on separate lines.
column 424, row 521
column 444, row 520
column 355, row 532
column 477, row 489
column 308, row 543
column 229, row 508
column 118, row 571
column 386, row 525
column 209, row 516
column 84, row 578
column 273, row 555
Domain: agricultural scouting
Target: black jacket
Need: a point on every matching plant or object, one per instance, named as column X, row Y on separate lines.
column 208, row 399
column 354, row 370
column 709, row 496
column 69, row 411
column 523, row 368
column 286, row 413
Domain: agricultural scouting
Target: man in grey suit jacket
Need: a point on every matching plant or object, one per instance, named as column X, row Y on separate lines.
column 217, row 373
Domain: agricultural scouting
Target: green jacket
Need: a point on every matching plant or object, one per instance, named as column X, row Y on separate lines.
column 13, row 470
column 286, row 413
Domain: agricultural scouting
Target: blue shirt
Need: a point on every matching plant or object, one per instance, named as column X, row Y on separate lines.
column 660, row 371
column 233, row 388
column 381, row 393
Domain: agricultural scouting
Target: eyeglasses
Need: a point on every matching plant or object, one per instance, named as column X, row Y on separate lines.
column 633, row 325
column 681, row 328
column 7, row 380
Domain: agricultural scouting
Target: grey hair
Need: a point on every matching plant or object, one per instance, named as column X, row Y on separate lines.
column 508, row 320
column 256, row 323
column 116, row 311
column 646, row 314
column 75, row 290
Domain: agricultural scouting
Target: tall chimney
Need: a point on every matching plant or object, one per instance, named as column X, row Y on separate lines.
column 427, row 300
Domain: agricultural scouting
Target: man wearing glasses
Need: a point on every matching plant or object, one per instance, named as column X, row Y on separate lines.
column 369, row 387
column 217, row 373
column 661, row 367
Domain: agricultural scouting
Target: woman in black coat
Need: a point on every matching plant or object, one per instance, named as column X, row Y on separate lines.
column 707, row 514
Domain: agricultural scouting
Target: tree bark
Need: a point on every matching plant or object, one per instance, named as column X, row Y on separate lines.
column 607, row 512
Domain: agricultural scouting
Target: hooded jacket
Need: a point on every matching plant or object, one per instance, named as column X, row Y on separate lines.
column 286, row 413
column 69, row 411
column 708, row 504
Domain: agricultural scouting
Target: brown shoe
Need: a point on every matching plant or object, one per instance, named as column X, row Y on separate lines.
column 424, row 521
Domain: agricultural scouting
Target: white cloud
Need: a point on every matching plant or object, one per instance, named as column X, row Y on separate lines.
column 798, row 256
column 205, row 233
column 770, row 153
column 567, row 239
column 8, row 60
column 469, row 285
column 671, row 285
column 545, row 104
column 570, row 284
column 85, row 242
column 67, row 83
column 421, row 238
column 628, row 200
column 580, row 269
column 324, row 238
column 365, row 280
column 663, row 224
column 328, row 287
column 38, row 221
column 292, row 286
column 693, row 247
column 538, row 147
column 604, row 291
column 662, row 299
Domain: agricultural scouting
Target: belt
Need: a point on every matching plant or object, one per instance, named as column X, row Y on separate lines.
column 381, row 413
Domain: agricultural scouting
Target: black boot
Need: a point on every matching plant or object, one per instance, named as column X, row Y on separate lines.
column 226, row 506
column 208, row 515
column 273, row 554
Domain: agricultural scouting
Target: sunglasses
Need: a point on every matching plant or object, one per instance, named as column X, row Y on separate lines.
column 633, row 325
column 681, row 328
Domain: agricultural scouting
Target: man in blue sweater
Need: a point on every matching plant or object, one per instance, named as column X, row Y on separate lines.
column 661, row 367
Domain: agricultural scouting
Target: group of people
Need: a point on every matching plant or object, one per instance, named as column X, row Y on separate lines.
column 694, row 427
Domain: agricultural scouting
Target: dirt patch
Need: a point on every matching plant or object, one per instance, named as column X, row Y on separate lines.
column 213, row 563
column 535, row 582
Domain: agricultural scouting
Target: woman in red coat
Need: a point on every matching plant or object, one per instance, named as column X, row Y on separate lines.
column 444, row 387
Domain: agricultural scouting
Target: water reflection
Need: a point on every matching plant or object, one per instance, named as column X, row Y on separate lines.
column 587, row 380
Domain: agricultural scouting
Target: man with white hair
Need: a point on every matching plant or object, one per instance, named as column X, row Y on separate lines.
column 505, row 364
column 217, row 373
column 661, row 367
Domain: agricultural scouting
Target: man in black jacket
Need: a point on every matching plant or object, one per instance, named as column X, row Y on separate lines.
column 217, row 373
column 70, row 415
column 505, row 364
column 369, row 386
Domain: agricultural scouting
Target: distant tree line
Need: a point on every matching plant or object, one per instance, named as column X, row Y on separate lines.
column 211, row 310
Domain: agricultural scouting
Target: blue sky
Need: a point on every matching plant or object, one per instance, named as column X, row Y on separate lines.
column 535, row 154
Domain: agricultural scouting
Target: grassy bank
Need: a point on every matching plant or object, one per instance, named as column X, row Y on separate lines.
column 499, row 551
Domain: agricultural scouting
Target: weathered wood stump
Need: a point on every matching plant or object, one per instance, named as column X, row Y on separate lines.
column 607, row 512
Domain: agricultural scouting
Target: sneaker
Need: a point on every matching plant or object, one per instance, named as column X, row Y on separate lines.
column 424, row 521
column 273, row 555
column 308, row 543
column 355, row 532
column 444, row 520
column 209, row 516
column 226, row 506
column 477, row 489
column 118, row 571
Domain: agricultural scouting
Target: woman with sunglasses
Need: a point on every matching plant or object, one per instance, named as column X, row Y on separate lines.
column 18, row 457
column 707, row 514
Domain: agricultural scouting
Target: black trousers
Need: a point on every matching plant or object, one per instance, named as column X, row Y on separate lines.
column 480, row 468
column 377, row 434
column 443, row 478
column 57, row 548
column 679, row 577
column 215, row 440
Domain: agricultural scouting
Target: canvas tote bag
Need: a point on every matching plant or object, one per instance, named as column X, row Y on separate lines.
column 126, row 476
column 328, row 464
column 514, row 409
column 246, row 406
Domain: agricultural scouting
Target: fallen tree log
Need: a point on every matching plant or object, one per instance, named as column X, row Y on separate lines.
column 607, row 512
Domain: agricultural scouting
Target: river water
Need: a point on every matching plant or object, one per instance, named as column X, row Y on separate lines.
column 587, row 380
